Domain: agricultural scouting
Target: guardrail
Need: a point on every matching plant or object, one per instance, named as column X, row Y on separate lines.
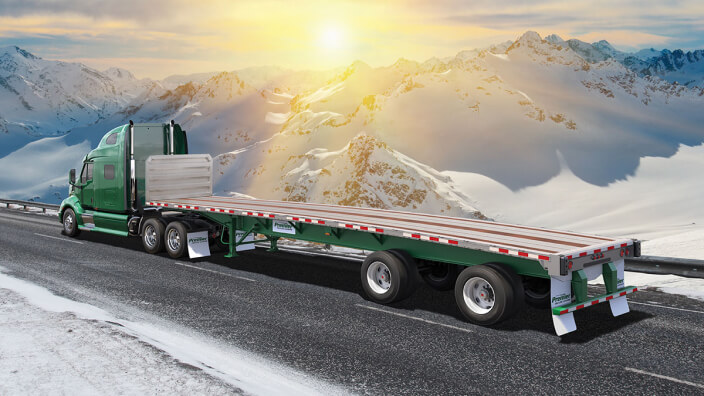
column 28, row 204
column 666, row 266
column 646, row 264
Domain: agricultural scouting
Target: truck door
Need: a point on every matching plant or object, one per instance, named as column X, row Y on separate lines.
column 87, row 187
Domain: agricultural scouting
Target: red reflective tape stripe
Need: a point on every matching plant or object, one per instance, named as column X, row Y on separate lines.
column 434, row 239
column 195, row 207
column 623, row 293
column 610, row 248
column 415, row 235
column 580, row 306
column 363, row 228
column 295, row 218
column 502, row 250
column 569, row 257
column 635, row 289
column 379, row 230
column 597, row 250
column 624, row 244
column 543, row 257
column 260, row 214
column 232, row 211
column 272, row 216
column 222, row 210
column 582, row 254
column 523, row 254
column 609, row 298
column 564, row 311
column 308, row 220
column 453, row 242
column 349, row 226
column 321, row 222
column 595, row 302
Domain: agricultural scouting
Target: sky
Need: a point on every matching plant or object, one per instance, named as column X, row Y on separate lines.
column 158, row 38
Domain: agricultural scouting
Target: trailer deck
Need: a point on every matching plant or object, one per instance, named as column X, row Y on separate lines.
column 522, row 241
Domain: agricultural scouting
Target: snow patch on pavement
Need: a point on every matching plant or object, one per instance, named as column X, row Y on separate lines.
column 239, row 368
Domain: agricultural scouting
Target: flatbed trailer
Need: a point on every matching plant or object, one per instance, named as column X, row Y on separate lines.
column 493, row 267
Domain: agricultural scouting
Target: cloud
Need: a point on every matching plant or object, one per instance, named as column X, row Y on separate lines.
column 123, row 9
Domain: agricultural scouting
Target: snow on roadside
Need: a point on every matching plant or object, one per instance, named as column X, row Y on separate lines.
column 671, row 284
column 106, row 355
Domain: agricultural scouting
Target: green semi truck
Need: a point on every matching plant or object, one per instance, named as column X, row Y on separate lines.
column 141, row 181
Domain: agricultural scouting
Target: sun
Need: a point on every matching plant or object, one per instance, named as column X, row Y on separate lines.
column 332, row 37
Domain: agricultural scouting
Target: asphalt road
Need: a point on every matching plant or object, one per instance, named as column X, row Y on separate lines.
column 309, row 313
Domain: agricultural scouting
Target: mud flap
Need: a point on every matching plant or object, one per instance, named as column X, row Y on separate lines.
column 561, row 294
column 619, row 305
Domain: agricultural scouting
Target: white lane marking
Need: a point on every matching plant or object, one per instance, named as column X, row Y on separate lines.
column 679, row 381
column 61, row 239
column 215, row 272
column 662, row 306
column 414, row 318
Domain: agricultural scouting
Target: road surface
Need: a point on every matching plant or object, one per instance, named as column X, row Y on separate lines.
column 309, row 313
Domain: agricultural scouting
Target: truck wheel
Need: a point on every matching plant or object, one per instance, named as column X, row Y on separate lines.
column 484, row 295
column 384, row 277
column 153, row 236
column 537, row 291
column 70, row 223
column 441, row 276
column 175, row 239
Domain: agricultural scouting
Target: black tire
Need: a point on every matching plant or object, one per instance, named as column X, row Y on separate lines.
column 70, row 223
column 175, row 239
column 537, row 291
column 484, row 305
column 153, row 236
column 516, row 283
column 413, row 279
column 441, row 276
column 384, row 277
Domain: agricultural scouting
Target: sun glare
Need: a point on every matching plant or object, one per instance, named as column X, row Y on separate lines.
column 332, row 37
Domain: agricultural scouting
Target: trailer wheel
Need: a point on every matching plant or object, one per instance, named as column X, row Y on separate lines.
column 70, row 223
column 153, row 236
column 484, row 295
column 412, row 280
column 441, row 276
column 384, row 277
column 516, row 283
column 537, row 291
column 175, row 239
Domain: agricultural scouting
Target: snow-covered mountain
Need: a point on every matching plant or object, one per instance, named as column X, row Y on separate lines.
column 40, row 98
column 678, row 66
column 518, row 113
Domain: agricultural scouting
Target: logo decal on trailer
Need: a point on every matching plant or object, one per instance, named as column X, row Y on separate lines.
column 283, row 227
column 561, row 298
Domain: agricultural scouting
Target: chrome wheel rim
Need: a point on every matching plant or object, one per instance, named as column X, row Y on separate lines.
column 150, row 235
column 379, row 277
column 68, row 222
column 478, row 295
column 174, row 240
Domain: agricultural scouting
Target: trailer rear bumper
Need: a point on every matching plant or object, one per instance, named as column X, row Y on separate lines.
column 594, row 301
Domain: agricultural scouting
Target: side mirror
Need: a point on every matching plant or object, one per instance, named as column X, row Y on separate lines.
column 72, row 177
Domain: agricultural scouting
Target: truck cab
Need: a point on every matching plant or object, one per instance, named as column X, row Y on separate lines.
column 109, row 189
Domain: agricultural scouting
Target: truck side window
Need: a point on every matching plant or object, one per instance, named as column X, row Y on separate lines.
column 84, row 174
column 87, row 173
column 112, row 139
column 109, row 172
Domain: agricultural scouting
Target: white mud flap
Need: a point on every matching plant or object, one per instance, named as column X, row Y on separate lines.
column 619, row 305
column 561, row 294
column 198, row 245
